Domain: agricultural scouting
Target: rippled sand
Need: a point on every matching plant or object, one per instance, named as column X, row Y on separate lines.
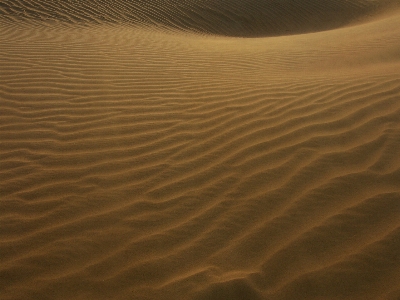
column 225, row 149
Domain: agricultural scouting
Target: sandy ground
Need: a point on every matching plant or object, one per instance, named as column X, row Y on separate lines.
column 225, row 149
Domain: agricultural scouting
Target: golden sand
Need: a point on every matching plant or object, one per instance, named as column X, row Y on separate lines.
column 198, row 149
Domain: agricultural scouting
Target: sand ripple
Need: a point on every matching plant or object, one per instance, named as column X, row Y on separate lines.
column 143, row 164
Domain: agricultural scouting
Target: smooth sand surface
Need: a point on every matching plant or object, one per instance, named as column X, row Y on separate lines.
column 198, row 149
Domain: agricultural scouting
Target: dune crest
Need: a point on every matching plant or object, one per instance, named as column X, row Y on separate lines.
column 240, row 18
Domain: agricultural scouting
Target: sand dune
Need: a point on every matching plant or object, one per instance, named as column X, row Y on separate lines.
column 223, row 17
column 158, row 150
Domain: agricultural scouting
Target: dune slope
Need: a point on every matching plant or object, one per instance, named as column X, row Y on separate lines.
column 248, row 18
column 149, row 151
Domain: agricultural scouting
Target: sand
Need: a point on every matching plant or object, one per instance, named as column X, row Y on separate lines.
column 198, row 149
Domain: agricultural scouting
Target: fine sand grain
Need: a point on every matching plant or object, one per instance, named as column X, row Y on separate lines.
column 200, row 149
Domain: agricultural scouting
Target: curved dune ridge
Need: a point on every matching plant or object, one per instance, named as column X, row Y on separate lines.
column 139, row 163
column 246, row 18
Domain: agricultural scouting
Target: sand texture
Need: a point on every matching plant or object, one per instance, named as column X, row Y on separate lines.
column 200, row 149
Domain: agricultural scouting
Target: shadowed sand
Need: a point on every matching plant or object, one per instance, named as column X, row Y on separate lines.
column 159, row 150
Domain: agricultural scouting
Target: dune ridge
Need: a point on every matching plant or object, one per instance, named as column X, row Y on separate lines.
column 140, row 163
column 245, row 18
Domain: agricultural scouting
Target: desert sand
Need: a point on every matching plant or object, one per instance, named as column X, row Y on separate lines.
column 200, row 150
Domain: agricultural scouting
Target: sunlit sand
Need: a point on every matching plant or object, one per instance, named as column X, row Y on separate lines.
column 225, row 149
